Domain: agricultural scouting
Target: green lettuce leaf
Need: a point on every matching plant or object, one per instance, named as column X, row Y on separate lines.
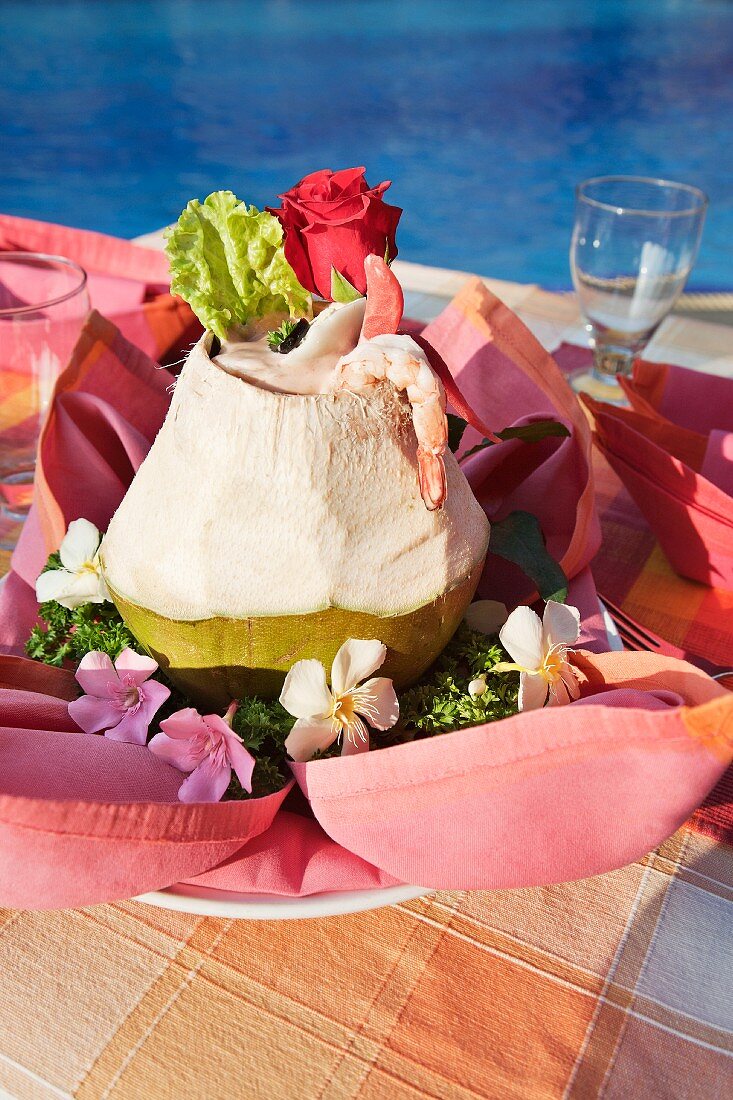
column 228, row 263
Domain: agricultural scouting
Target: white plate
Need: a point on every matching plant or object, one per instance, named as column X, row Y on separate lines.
column 222, row 903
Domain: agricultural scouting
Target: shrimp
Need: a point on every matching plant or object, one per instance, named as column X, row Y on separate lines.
column 403, row 363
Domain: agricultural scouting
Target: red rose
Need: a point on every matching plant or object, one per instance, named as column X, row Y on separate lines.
column 335, row 219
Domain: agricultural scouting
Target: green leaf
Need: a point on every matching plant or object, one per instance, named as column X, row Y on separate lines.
column 341, row 289
column 277, row 335
column 456, row 427
column 228, row 263
column 519, row 539
column 528, row 433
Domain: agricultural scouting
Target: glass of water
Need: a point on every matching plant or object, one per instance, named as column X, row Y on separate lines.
column 43, row 304
column 634, row 243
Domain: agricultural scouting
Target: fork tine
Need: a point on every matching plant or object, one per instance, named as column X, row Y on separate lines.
column 639, row 637
column 620, row 616
column 631, row 642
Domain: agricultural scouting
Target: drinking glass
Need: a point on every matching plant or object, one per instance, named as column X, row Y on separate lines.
column 634, row 243
column 43, row 302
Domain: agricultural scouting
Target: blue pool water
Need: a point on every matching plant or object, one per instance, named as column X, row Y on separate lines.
column 114, row 112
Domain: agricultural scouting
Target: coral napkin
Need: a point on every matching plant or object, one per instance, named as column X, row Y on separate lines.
column 679, row 472
column 127, row 283
column 536, row 798
column 508, row 378
column 693, row 403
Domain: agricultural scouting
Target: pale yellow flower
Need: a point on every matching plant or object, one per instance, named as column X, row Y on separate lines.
column 324, row 714
column 540, row 650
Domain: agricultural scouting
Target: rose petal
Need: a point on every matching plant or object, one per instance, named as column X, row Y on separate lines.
column 136, row 665
column 356, row 659
column 304, row 693
column 561, row 624
column 185, row 724
column 184, row 755
column 532, row 691
column 377, row 701
column 521, row 636
column 207, row 783
column 486, row 616
column 92, row 714
column 96, row 674
column 309, row 736
column 241, row 760
column 80, row 544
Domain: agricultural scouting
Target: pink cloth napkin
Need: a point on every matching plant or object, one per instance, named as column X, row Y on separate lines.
column 508, row 378
column 679, row 473
column 717, row 463
column 690, row 398
column 545, row 797
column 537, row 798
column 126, row 282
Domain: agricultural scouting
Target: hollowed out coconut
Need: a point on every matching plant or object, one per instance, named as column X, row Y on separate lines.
column 265, row 527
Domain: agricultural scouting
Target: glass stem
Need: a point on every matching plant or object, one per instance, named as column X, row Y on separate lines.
column 608, row 361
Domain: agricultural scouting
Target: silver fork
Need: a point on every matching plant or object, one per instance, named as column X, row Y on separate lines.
column 638, row 637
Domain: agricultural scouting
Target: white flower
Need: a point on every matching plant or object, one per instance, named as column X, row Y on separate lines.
column 324, row 714
column 540, row 651
column 477, row 686
column 80, row 581
column 486, row 616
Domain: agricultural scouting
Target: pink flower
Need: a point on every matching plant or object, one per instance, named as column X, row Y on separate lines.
column 120, row 698
column 205, row 746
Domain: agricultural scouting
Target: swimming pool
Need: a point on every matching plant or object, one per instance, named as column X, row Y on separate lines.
column 113, row 114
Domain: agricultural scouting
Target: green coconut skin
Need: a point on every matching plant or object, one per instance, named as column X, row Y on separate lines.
column 213, row 661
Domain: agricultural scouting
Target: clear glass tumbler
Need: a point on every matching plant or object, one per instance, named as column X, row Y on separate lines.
column 43, row 303
column 634, row 243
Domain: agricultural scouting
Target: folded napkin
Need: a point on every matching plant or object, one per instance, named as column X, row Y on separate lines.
column 506, row 375
column 680, row 474
column 126, row 282
column 690, row 398
column 542, row 797
column 537, row 798
column 693, row 403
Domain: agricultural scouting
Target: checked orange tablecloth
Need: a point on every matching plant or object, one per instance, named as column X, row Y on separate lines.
column 619, row 986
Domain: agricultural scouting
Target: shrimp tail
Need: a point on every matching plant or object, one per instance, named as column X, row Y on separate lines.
column 431, row 478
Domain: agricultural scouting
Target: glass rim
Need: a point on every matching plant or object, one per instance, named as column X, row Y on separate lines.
column 46, row 258
column 701, row 198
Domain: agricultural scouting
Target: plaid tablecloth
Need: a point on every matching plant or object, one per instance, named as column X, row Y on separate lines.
column 619, row 986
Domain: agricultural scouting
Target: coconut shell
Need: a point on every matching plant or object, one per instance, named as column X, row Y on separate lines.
column 266, row 526
column 213, row 661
